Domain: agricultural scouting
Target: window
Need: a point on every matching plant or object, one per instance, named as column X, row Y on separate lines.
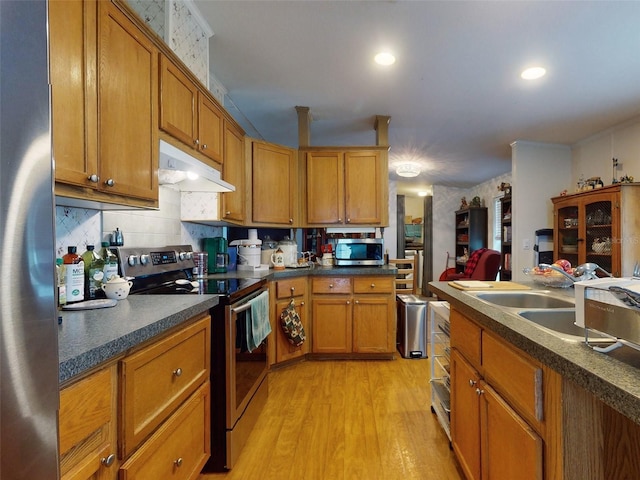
column 497, row 222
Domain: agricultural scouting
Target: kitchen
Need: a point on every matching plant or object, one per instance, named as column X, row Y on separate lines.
column 79, row 226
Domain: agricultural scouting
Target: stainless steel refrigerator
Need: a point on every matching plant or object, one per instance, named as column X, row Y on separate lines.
column 28, row 322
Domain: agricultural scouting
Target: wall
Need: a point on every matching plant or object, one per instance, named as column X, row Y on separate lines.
column 82, row 227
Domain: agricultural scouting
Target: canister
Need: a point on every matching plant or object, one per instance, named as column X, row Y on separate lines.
column 201, row 259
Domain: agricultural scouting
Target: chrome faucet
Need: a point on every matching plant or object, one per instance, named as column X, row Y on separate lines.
column 560, row 270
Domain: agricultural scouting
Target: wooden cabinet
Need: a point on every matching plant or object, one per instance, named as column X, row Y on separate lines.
column 504, row 421
column 159, row 378
column 234, row 171
column 105, row 93
column 471, row 233
column 345, row 186
column 353, row 315
column 599, row 226
column 87, row 425
column 274, row 185
column 284, row 291
column 505, row 237
column 189, row 114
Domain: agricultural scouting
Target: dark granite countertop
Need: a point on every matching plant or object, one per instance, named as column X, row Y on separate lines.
column 89, row 338
column 613, row 377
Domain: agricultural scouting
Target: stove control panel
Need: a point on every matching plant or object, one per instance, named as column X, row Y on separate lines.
column 135, row 262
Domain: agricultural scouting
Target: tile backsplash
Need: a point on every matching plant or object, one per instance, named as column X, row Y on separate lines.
column 82, row 227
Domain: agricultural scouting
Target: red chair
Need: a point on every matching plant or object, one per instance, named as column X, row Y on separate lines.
column 483, row 264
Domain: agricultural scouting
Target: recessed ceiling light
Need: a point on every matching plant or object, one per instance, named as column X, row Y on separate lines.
column 385, row 58
column 533, row 73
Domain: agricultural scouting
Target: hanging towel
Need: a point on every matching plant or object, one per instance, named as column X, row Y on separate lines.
column 258, row 326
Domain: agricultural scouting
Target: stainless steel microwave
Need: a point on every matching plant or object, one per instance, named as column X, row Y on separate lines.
column 359, row 251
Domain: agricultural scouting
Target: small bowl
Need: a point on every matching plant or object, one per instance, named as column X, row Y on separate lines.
column 117, row 288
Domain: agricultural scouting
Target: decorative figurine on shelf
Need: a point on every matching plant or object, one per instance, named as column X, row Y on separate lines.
column 463, row 203
column 506, row 188
column 476, row 202
column 626, row 179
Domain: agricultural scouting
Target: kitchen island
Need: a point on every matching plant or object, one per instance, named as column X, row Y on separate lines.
column 597, row 429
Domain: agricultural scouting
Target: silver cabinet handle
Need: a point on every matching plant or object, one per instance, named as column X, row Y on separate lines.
column 109, row 182
column 178, row 462
column 373, row 285
column 204, row 146
column 348, row 302
column 227, row 213
column 177, row 372
column 93, row 178
column 108, row 460
column 348, row 220
column 293, row 290
column 479, row 391
column 302, row 304
column 291, row 220
column 472, row 383
column 196, row 142
column 331, row 285
column 357, row 302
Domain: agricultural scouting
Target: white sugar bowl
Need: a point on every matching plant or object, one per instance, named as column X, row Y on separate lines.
column 117, row 288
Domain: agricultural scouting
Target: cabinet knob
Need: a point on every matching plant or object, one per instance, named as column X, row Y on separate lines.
column 373, row 285
column 93, row 178
column 178, row 462
column 227, row 213
column 108, row 461
column 472, row 383
column 204, row 146
column 196, row 142
column 302, row 304
column 292, row 290
column 479, row 391
column 348, row 302
column 291, row 220
column 357, row 302
column 109, row 182
column 331, row 285
column 348, row 220
column 177, row 372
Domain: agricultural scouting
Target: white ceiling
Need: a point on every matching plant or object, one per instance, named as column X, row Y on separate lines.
column 454, row 95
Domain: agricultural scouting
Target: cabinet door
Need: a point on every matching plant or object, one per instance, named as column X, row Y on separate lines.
column 325, row 188
column 273, row 172
column 210, row 124
column 234, row 203
column 284, row 350
column 602, row 229
column 178, row 103
column 332, row 330
column 72, row 37
column 87, row 424
column 373, row 328
column 128, row 107
column 362, row 184
column 465, row 415
column 510, row 448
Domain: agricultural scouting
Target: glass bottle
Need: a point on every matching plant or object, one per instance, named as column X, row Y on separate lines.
column 60, row 282
column 93, row 266
column 110, row 269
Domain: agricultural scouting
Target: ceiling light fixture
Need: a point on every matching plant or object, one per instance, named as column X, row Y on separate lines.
column 408, row 170
column 384, row 58
column 533, row 73
column 423, row 194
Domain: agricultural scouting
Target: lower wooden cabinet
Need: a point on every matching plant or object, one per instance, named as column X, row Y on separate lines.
column 504, row 408
column 353, row 315
column 179, row 448
column 284, row 291
column 87, row 424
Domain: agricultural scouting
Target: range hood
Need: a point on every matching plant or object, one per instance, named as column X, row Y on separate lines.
column 176, row 167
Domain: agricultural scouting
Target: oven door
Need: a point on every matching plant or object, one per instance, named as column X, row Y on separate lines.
column 245, row 370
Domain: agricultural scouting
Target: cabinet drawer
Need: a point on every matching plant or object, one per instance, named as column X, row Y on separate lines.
column 465, row 336
column 514, row 376
column 157, row 379
column 373, row 284
column 331, row 285
column 180, row 447
column 291, row 287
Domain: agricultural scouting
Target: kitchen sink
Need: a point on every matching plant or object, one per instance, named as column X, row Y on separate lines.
column 526, row 300
column 560, row 322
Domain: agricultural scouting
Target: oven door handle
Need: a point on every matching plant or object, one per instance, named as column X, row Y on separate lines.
column 241, row 308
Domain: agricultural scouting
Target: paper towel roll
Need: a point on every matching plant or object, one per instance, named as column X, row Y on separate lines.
column 253, row 234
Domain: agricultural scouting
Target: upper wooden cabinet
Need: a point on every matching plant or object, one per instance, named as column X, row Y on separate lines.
column 234, row 204
column 189, row 114
column 274, row 184
column 104, row 97
column 345, row 186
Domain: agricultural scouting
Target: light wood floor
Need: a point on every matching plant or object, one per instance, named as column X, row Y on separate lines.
column 347, row 420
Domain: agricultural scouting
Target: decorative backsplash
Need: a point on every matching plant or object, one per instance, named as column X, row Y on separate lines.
column 82, row 227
